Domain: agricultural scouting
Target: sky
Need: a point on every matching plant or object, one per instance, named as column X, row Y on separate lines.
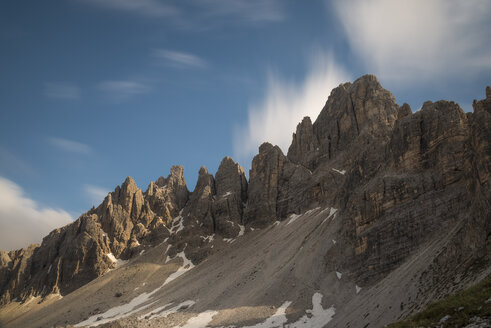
column 92, row 91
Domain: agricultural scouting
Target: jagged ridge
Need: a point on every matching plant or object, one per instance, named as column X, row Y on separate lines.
column 396, row 177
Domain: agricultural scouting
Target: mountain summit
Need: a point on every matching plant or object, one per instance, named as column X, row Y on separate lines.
column 373, row 212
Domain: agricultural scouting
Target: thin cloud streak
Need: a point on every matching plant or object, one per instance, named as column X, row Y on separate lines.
column 179, row 59
column 96, row 194
column 245, row 10
column 148, row 8
column 409, row 41
column 12, row 163
column 65, row 91
column 276, row 116
column 120, row 90
column 70, row 145
column 199, row 14
column 22, row 220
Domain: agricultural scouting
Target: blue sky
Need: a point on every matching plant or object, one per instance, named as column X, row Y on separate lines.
column 92, row 91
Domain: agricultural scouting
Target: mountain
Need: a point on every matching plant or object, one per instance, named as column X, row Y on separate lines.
column 373, row 212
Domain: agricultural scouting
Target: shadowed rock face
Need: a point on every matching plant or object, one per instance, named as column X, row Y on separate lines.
column 397, row 179
column 354, row 115
column 231, row 196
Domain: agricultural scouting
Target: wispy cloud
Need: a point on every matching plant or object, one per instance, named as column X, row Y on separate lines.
column 123, row 89
column 70, row 145
column 61, row 91
column 204, row 13
column 12, row 163
column 178, row 59
column 285, row 103
column 408, row 41
column 244, row 10
column 22, row 220
column 149, row 8
column 96, row 194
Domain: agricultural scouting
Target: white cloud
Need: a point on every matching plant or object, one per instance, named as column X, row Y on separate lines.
column 70, row 145
column 123, row 89
column 95, row 193
column 199, row 14
column 179, row 59
column 22, row 220
column 149, row 8
column 285, row 103
column 61, row 91
column 419, row 39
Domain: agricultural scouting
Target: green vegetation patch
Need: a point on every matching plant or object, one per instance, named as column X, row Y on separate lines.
column 456, row 310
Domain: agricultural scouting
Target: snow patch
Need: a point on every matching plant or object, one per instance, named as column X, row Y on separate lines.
column 339, row 274
column 339, row 171
column 276, row 320
column 177, row 225
column 229, row 240
column 185, row 267
column 357, row 289
column 119, row 312
column 312, row 210
column 111, row 257
column 142, row 251
column 160, row 312
column 334, row 242
column 208, row 238
column 242, row 230
column 200, row 321
column 138, row 303
column 332, row 212
column 317, row 317
column 292, row 218
column 445, row 318
column 117, row 262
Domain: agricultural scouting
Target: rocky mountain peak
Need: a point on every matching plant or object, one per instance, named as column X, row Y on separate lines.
column 230, row 178
column 358, row 112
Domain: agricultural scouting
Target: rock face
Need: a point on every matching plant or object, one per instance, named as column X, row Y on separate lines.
column 397, row 180
column 71, row 256
column 127, row 221
column 354, row 115
column 231, row 196
column 200, row 205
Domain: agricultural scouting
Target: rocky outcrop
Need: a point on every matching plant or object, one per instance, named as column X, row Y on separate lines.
column 71, row 256
column 218, row 203
column 355, row 115
column 168, row 196
column 264, row 183
column 397, row 177
column 431, row 175
column 200, row 205
column 231, row 197
column 277, row 187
